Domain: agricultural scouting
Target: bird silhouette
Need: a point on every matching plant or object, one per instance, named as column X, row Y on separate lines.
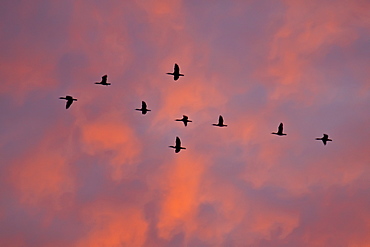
column 176, row 72
column 177, row 146
column 184, row 119
column 144, row 108
column 220, row 122
column 103, row 81
column 69, row 99
column 324, row 139
column 280, row 131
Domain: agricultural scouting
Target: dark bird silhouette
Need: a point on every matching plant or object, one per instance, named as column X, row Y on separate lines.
column 185, row 119
column 280, row 131
column 69, row 99
column 103, row 81
column 324, row 139
column 220, row 122
column 176, row 72
column 144, row 108
column 178, row 145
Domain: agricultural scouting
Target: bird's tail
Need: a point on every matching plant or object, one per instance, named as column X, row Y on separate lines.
column 170, row 73
column 181, row 75
column 172, row 146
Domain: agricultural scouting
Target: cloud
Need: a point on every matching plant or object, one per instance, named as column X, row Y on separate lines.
column 112, row 225
column 101, row 173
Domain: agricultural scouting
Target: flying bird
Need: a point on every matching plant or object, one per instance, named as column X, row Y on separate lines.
column 177, row 146
column 220, row 122
column 69, row 99
column 324, row 139
column 176, row 72
column 144, row 108
column 103, row 81
column 184, row 119
column 280, row 131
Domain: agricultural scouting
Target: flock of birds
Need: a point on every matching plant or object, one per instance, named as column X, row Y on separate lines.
column 185, row 119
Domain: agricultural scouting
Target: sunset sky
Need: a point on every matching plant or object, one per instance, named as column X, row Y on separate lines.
column 101, row 174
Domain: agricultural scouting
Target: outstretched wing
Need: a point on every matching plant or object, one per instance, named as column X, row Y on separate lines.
column 220, row 120
column 325, row 136
column 178, row 142
column 143, row 105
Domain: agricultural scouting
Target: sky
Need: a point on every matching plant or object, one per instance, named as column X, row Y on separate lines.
column 102, row 174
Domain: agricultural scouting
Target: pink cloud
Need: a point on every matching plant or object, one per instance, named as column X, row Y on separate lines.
column 101, row 173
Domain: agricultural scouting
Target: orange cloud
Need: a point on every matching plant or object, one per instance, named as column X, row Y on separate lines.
column 309, row 30
column 42, row 175
column 181, row 198
column 234, row 186
column 116, row 137
column 113, row 225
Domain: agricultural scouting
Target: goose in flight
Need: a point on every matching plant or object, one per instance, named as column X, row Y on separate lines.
column 185, row 119
column 324, row 139
column 177, row 146
column 280, row 131
column 69, row 99
column 144, row 108
column 220, row 122
column 176, row 72
column 103, row 81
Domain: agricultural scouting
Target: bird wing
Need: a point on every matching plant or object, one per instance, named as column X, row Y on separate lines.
column 280, row 129
column 325, row 136
column 143, row 105
column 178, row 142
column 324, row 141
column 176, row 69
column 220, row 120
column 104, row 78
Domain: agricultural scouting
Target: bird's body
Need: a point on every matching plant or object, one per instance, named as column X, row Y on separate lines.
column 176, row 72
column 220, row 122
column 184, row 119
column 144, row 108
column 177, row 146
column 280, row 131
column 69, row 99
column 103, row 81
column 324, row 139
